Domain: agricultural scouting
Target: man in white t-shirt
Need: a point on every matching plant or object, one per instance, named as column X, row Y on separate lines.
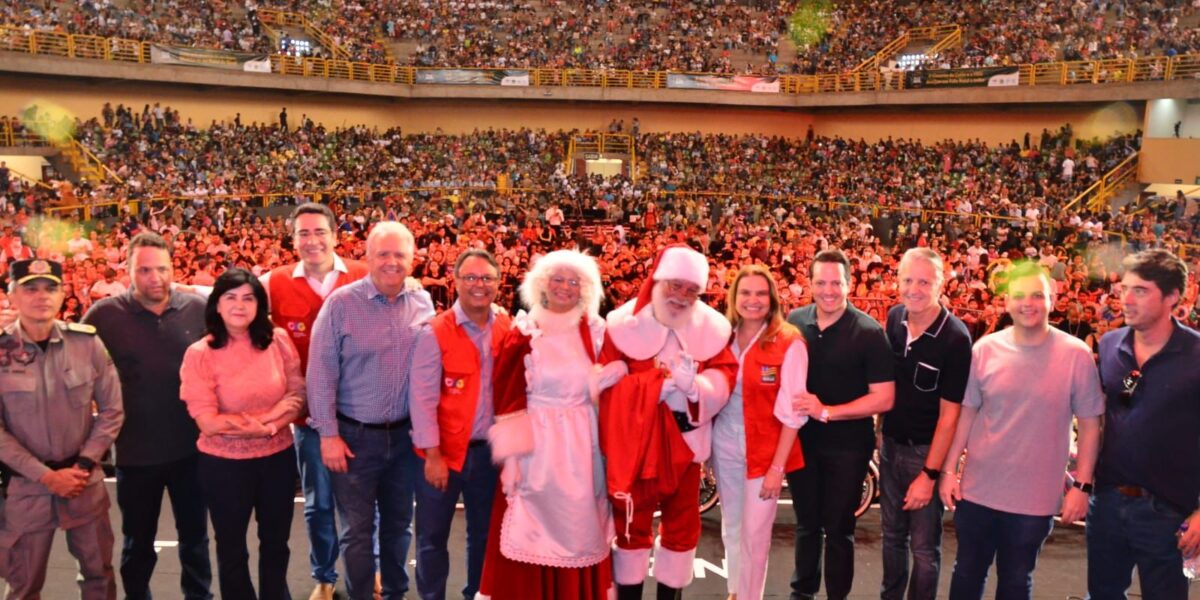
column 1068, row 169
column 554, row 216
column 109, row 286
column 1016, row 430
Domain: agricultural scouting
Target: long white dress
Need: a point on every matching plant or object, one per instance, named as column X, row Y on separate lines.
column 559, row 514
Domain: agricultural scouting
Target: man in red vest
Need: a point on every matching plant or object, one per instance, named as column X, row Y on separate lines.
column 297, row 293
column 450, row 402
column 656, row 423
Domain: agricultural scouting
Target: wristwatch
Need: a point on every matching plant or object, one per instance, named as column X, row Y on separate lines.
column 932, row 474
column 85, row 463
column 1083, row 487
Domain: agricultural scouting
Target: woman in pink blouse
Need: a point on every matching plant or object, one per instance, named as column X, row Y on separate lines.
column 243, row 386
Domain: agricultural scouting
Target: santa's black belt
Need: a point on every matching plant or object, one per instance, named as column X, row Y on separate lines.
column 681, row 419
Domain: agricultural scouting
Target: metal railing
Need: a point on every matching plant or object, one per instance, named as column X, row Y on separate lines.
column 1095, row 196
column 1150, row 68
column 943, row 36
column 131, row 206
column 279, row 18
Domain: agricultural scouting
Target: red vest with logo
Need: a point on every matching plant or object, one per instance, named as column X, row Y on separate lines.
column 460, row 385
column 762, row 373
column 294, row 304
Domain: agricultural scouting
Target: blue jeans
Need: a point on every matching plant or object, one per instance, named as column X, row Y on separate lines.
column 899, row 465
column 1012, row 540
column 384, row 470
column 435, row 512
column 318, row 506
column 1124, row 532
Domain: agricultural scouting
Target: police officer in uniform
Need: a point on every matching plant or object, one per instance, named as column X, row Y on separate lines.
column 51, row 373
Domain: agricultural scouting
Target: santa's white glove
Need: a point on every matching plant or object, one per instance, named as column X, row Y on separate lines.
column 510, row 476
column 683, row 374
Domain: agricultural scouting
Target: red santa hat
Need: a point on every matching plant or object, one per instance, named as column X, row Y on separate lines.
column 677, row 261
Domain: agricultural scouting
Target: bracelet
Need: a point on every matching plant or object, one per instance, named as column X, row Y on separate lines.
column 954, row 473
column 777, row 468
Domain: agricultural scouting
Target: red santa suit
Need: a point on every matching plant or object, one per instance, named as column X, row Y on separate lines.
column 652, row 464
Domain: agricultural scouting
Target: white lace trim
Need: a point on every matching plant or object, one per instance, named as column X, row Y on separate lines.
column 512, row 553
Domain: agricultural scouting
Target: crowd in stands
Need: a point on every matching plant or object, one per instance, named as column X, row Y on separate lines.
column 868, row 201
column 726, row 36
column 220, row 24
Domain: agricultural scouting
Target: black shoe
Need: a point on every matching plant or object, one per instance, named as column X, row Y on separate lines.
column 666, row 592
column 629, row 592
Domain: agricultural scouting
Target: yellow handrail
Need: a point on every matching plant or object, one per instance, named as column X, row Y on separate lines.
column 1099, row 192
column 741, row 197
column 270, row 16
column 1150, row 68
column 96, row 161
column 944, row 36
column 37, row 182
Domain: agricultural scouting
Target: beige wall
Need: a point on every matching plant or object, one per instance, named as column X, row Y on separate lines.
column 1164, row 160
column 452, row 116
column 25, row 166
column 994, row 124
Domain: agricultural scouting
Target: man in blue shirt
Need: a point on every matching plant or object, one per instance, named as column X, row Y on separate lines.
column 358, row 376
column 452, row 408
column 1148, row 475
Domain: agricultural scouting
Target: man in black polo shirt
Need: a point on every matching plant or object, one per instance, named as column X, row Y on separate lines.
column 146, row 330
column 1148, row 474
column 932, row 351
column 849, row 381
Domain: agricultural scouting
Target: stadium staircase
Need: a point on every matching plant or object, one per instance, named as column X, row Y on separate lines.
column 275, row 20
column 74, row 159
column 592, row 145
column 1112, row 188
column 920, row 41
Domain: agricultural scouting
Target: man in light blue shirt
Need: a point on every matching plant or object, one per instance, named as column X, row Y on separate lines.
column 358, row 374
column 452, row 408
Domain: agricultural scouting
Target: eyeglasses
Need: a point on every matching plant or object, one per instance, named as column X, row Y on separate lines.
column 688, row 290
column 484, row 279
column 1130, row 382
column 560, row 280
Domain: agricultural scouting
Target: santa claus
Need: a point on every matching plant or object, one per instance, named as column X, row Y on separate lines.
column 655, row 424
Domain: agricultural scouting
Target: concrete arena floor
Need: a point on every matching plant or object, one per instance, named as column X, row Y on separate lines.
column 1061, row 572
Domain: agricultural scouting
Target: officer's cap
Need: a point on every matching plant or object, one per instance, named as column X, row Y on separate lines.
column 24, row 271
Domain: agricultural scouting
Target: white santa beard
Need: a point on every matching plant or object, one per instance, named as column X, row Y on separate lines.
column 662, row 309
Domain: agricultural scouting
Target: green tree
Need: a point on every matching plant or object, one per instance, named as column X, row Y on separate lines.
column 810, row 23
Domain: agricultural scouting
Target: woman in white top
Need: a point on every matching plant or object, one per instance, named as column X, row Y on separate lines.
column 754, row 437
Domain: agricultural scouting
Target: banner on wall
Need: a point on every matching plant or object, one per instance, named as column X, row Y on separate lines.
column 215, row 59
column 980, row 77
column 727, row 83
column 504, row 77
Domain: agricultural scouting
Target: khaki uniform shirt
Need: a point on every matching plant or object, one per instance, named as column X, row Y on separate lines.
column 46, row 414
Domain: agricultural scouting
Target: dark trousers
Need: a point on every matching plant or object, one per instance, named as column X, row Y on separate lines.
column 381, row 475
column 1124, row 532
column 920, row 530
column 139, row 495
column 235, row 489
column 825, row 494
column 435, row 512
column 1012, row 540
